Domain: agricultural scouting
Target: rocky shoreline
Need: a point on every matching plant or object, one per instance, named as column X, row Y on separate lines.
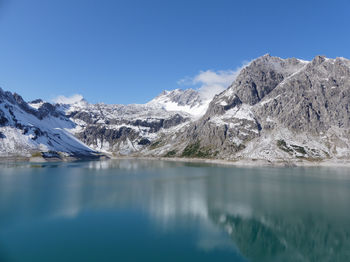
column 237, row 163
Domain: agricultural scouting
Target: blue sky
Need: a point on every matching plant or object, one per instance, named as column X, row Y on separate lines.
column 129, row 51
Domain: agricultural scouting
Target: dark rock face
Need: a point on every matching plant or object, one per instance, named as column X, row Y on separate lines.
column 3, row 119
column 92, row 134
column 144, row 141
column 85, row 116
column 48, row 109
column 174, row 121
column 36, row 101
column 116, row 131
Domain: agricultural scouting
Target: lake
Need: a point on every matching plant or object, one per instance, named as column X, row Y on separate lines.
column 149, row 210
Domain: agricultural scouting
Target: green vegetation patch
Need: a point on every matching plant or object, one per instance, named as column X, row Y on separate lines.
column 171, row 153
column 299, row 149
column 195, row 150
column 37, row 154
column 155, row 144
column 291, row 148
column 191, row 150
column 283, row 146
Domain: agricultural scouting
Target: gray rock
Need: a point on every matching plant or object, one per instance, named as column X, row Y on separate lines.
column 282, row 98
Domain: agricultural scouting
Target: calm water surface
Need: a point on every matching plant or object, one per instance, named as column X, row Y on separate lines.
column 133, row 210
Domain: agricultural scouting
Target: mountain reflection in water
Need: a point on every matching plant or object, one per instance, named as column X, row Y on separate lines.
column 261, row 214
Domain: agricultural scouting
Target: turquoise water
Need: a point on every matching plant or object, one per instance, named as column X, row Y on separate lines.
column 134, row 210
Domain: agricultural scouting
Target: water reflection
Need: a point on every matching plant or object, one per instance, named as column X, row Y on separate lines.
column 267, row 214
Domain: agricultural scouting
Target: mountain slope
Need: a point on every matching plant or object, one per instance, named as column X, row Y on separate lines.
column 128, row 129
column 27, row 131
column 275, row 110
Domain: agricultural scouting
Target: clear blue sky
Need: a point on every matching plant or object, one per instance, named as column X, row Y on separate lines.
column 129, row 51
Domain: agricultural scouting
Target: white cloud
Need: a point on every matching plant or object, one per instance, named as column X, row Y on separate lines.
column 68, row 100
column 212, row 82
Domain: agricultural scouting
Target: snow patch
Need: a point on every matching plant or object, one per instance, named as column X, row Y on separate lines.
column 241, row 112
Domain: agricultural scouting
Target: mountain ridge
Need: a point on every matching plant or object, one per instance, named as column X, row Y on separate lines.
column 275, row 110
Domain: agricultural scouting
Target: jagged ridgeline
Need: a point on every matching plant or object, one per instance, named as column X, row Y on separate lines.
column 275, row 110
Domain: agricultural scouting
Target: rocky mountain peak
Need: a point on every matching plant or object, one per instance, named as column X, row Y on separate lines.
column 255, row 81
column 280, row 108
column 318, row 60
column 36, row 101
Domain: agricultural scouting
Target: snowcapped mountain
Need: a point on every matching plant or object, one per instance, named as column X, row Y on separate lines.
column 189, row 101
column 128, row 129
column 28, row 130
column 277, row 109
column 77, row 128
